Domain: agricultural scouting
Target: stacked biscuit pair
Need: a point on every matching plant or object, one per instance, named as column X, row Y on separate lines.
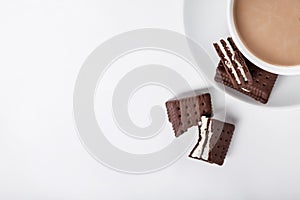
column 237, row 72
column 214, row 135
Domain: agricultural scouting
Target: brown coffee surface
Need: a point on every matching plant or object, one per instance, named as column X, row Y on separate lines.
column 270, row 29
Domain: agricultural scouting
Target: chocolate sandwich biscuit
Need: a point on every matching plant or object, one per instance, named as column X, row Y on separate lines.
column 235, row 65
column 187, row 112
column 214, row 140
column 261, row 88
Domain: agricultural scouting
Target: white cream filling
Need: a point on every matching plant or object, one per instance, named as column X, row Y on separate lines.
column 202, row 151
column 245, row 90
column 228, row 62
column 198, row 151
column 240, row 66
column 206, row 149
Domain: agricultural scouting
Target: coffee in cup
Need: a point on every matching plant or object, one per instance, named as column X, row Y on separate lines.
column 270, row 29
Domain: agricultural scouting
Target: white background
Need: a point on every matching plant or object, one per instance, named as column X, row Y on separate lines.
column 43, row 45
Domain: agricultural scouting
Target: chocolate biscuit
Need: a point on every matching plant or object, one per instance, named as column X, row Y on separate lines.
column 214, row 141
column 234, row 63
column 260, row 89
column 187, row 112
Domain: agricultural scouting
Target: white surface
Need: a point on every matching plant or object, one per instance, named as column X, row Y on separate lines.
column 44, row 43
column 145, row 97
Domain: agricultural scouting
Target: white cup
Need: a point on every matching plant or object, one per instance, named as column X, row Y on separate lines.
column 282, row 70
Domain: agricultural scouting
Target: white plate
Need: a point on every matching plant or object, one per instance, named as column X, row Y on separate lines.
column 206, row 22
